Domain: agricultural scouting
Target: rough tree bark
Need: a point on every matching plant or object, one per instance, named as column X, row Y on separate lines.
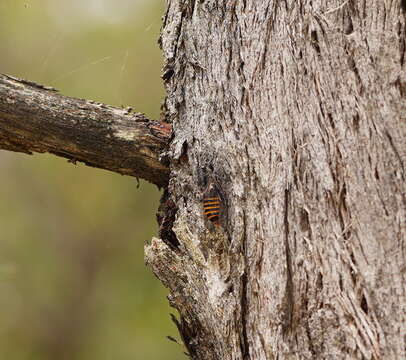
column 294, row 111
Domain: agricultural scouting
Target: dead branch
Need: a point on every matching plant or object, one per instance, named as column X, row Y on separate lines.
column 35, row 118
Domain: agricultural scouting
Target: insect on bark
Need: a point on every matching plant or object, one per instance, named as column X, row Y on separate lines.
column 212, row 206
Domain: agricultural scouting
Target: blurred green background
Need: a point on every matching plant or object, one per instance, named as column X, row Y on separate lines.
column 73, row 284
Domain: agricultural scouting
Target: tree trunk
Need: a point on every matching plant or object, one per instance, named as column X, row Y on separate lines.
column 292, row 114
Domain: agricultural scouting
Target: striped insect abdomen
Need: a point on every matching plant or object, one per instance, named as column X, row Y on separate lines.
column 211, row 206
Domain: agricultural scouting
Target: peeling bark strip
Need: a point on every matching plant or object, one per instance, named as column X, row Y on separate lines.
column 34, row 118
column 296, row 110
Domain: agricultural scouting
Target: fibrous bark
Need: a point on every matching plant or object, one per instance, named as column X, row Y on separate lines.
column 34, row 118
column 295, row 111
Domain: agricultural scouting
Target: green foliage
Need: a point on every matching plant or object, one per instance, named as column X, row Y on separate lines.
column 73, row 284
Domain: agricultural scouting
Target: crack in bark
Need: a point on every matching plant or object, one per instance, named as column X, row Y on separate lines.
column 288, row 298
column 244, row 311
column 244, row 344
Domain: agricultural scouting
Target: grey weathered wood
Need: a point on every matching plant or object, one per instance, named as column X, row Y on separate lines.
column 34, row 118
column 296, row 109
